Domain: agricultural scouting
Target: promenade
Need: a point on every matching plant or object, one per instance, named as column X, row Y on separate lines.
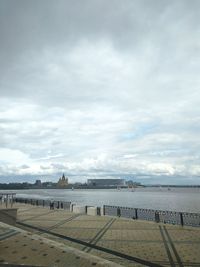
column 115, row 241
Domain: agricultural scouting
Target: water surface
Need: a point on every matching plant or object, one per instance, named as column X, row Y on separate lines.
column 177, row 199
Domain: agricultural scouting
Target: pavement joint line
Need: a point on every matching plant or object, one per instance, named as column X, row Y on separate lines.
column 137, row 229
column 88, row 228
column 99, row 248
column 64, row 221
column 20, row 211
column 101, row 233
column 58, row 245
column 8, row 234
column 39, row 215
column 133, row 241
column 186, row 242
column 167, row 248
column 150, row 241
column 60, row 223
column 173, row 248
column 98, row 233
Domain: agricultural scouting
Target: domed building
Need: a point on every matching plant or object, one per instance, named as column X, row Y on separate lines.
column 62, row 182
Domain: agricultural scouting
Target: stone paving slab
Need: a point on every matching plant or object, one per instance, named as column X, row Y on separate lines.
column 162, row 244
column 33, row 214
column 128, row 224
column 66, row 242
column 184, row 235
column 135, row 235
column 44, row 224
column 77, row 233
column 30, row 249
column 189, row 253
column 92, row 218
column 118, row 260
column 149, row 251
column 86, row 224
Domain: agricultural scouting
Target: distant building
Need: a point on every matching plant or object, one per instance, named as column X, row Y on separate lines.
column 48, row 184
column 106, row 182
column 38, row 183
column 132, row 183
column 62, row 182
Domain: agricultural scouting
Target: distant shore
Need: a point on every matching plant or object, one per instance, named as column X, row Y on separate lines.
column 24, row 186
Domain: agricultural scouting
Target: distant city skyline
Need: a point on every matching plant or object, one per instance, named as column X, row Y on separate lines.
column 100, row 88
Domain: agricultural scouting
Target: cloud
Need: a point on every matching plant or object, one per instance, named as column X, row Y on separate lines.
column 12, row 156
column 100, row 88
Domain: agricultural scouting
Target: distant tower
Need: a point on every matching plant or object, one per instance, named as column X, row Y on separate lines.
column 62, row 182
column 38, row 183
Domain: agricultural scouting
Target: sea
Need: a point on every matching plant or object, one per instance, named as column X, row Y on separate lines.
column 160, row 198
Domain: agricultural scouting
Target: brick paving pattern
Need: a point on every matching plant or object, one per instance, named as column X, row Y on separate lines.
column 122, row 241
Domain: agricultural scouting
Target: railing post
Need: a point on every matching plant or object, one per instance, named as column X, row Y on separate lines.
column 181, row 218
column 136, row 214
column 98, row 211
column 72, row 207
column 157, row 217
column 104, row 210
column 6, row 200
column 118, row 212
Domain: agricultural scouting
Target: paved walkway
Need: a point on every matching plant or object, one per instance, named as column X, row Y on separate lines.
column 122, row 241
column 19, row 247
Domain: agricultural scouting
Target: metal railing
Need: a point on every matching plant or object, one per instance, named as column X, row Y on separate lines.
column 171, row 217
column 56, row 204
column 7, row 199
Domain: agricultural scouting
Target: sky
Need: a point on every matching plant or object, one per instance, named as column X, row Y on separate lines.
column 100, row 89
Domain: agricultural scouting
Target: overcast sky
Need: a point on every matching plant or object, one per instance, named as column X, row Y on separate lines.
column 94, row 87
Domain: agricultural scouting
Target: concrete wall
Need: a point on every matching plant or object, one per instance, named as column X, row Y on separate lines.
column 8, row 216
column 92, row 211
column 79, row 209
column 72, row 206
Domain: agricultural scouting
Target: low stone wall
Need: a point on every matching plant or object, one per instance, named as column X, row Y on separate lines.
column 8, row 216
column 92, row 211
column 79, row 209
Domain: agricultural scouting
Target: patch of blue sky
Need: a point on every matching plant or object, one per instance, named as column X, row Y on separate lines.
column 139, row 131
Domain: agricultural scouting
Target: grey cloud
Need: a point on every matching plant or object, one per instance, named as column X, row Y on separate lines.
column 25, row 167
column 28, row 28
column 82, row 84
